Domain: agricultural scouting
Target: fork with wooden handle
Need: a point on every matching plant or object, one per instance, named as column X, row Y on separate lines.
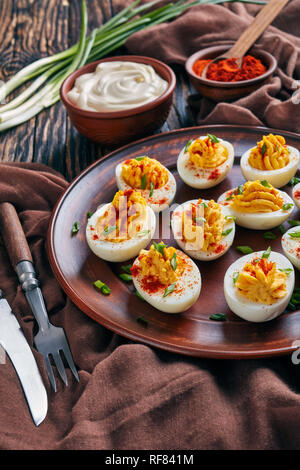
column 50, row 340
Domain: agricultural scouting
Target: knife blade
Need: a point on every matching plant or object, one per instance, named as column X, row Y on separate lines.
column 13, row 341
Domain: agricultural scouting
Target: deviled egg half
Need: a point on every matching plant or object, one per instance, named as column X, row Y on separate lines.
column 257, row 205
column 147, row 175
column 205, row 161
column 203, row 229
column 290, row 242
column 166, row 278
column 258, row 287
column 271, row 160
column 296, row 195
column 119, row 230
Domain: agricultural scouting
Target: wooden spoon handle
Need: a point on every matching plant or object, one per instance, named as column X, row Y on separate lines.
column 13, row 235
column 262, row 20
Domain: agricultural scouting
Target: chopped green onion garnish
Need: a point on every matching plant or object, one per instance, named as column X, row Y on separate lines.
column 294, row 223
column 139, row 295
column 143, row 182
column 263, row 149
column 267, row 253
column 125, row 277
column 126, row 268
column 142, row 320
column 287, row 271
column 142, row 233
column 265, row 183
column 169, row 289
column 213, row 138
column 109, row 229
column 151, row 189
column 226, row 232
column 282, row 229
column 173, row 261
column 235, row 277
column 230, row 217
column 160, row 247
column 246, row 250
column 89, row 214
column 187, row 145
column 75, row 228
column 240, row 189
column 294, row 181
column 204, row 205
column 102, row 287
column 291, row 306
column 200, row 219
column 139, row 158
column 294, row 234
column 269, row 235
column 286, row 207
column 229, row 197
column 218, row 317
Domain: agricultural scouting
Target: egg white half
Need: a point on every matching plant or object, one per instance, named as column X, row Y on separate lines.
column 276, row 178
column 161, row 197
column 255, row 311
column 296, row 195
column 186, row 293
column 123, row 251
column 291, row 245
column 202, row 178
column 259, row 220
column 224, row 245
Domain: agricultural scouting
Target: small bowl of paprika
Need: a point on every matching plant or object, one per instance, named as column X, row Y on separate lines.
column 225, row 81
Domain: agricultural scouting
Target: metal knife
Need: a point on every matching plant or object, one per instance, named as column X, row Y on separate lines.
column 13, row 341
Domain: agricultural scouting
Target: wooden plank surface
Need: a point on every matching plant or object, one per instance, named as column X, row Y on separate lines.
column 30, row 29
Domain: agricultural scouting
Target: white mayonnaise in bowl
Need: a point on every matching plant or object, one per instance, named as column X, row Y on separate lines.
column 118, row 99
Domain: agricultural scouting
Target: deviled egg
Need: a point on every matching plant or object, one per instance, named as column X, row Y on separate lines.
column 119, row 230
column 203, row 229
column 257, row 205
column 258, row 287
column 166, row 278
column 205, row 161
column 271, row 160
column 290, row 242
column 296, row 195
column 147, row 175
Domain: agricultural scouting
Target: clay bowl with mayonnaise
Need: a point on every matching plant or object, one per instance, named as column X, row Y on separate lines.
column 113, row 102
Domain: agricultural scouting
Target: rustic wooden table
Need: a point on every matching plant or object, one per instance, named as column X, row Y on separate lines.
column 30, row 29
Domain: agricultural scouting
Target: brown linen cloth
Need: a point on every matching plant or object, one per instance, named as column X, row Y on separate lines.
column 132, row 396
column 274, row 104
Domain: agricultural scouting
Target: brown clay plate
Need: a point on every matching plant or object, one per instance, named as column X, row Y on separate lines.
column 192, row 332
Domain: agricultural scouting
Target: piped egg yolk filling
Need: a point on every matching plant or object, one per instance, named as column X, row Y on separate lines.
column 124, row 217
column 205, row 153
column 256, row 196
column 161, row 265
column 213, row 227
column 260, row 281
column 271, row 153
column 144, row 173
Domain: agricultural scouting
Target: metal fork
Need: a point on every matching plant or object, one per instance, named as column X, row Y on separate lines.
column 50, row 340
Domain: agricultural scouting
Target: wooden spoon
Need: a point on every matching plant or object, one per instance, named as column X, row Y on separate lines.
column 262, row 20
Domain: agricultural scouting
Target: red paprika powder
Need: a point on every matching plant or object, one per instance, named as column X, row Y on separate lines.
column 226, row 70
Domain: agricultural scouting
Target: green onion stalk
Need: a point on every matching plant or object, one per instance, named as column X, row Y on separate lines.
column 46, row 75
